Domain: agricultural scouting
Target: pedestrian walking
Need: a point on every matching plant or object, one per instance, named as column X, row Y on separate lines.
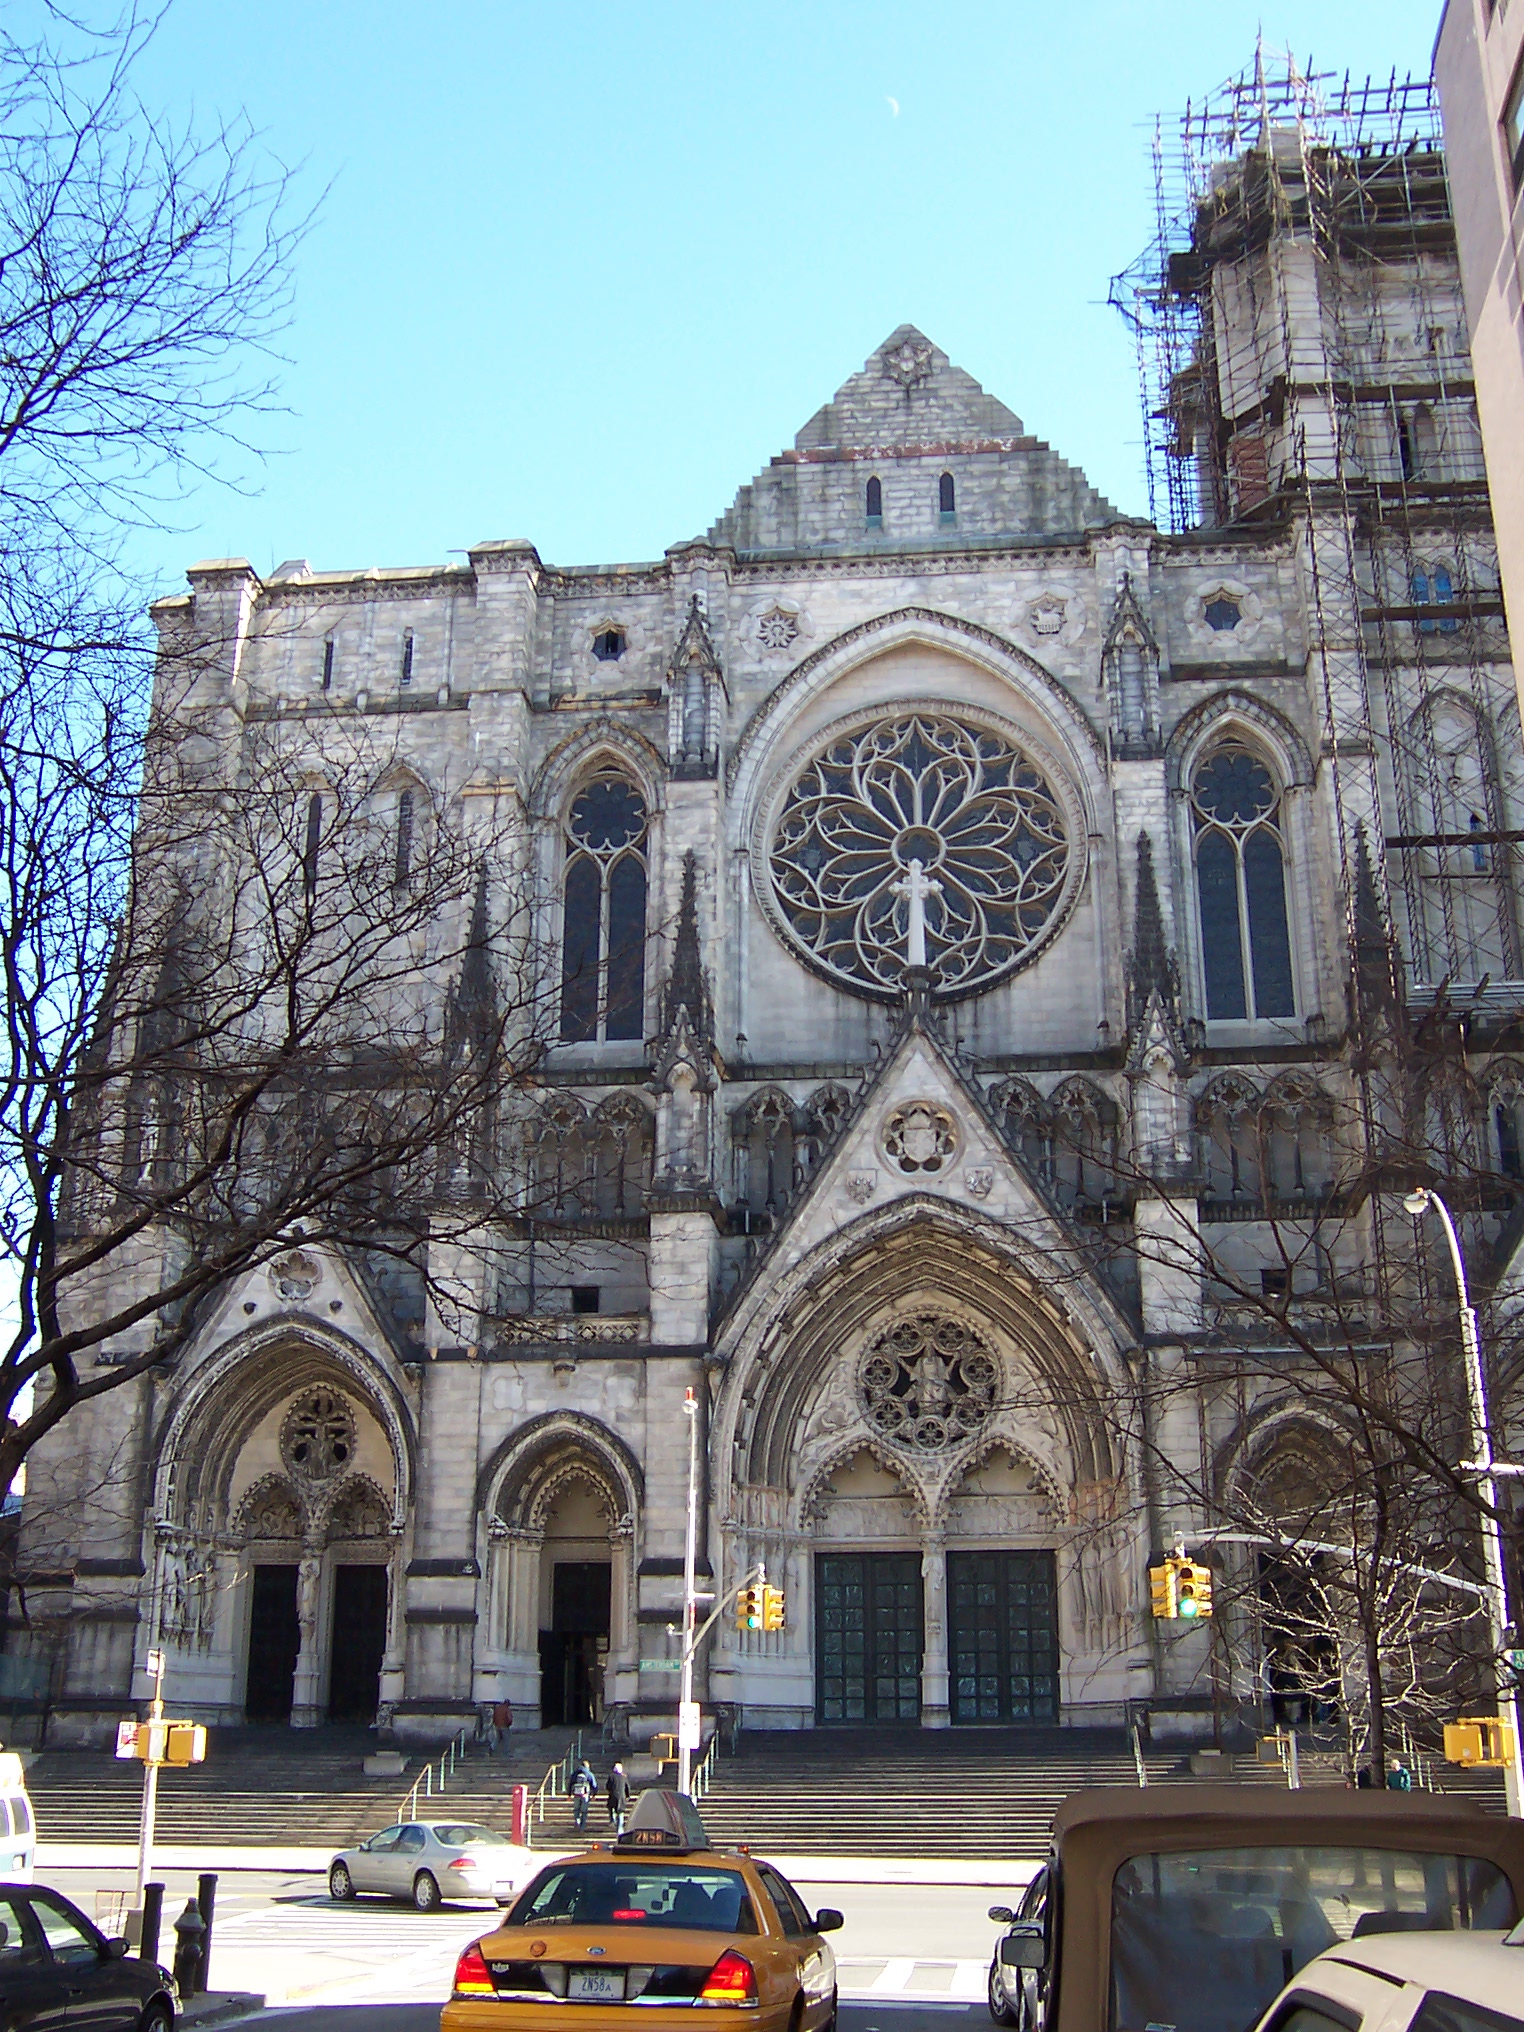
column 1399, row 1778
column 502, row 1722
column 619, row 1798
column 583, row 1786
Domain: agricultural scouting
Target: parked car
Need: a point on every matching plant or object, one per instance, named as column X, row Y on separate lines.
column 1445, row 1982
column 660, row 1922
column 57, row 1968
column 430, row 1863
column 1192, row 1907
column 18, row 1828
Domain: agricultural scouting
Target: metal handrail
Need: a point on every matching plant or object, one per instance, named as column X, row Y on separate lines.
column 552, row 1786
column 445, row 1764
column 703, row 1775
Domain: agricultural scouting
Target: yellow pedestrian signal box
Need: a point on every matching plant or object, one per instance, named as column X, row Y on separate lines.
column 1161, row 1590
column 772, row 1608
column 162, row 1742
column 1193, row 1590
column 1479, row 1740
column 749, row 1608
column 186, row 1743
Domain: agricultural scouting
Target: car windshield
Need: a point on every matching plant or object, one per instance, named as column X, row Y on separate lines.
column 638, row 1894
column 465, row 1834
column 1203, row 1942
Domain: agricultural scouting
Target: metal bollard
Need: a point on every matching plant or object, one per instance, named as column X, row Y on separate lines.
column 190, row 1932
column 153, row 1912
column 206, row 1905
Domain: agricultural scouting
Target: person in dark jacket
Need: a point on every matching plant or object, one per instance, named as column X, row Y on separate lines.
column 619, row 1798
column 583, row 1786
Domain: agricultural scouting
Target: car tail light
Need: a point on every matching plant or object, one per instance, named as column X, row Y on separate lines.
column 732, row 1980
column 463, row 1863
column 473, row 1978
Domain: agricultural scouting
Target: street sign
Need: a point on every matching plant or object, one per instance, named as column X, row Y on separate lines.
column 127, row 1739
column 661, row 1664
column 689, row 1725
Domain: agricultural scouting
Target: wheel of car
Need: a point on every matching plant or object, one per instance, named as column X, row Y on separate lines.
column 340, row 1883
column 999, row 2003
column 425, row 1893
column 158, row 2017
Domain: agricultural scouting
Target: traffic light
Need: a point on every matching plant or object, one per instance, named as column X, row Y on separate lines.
column 186, row 1743
column 1161, row 1590
column 749, row 1609
column 772, row 1608
column 1193, row 1590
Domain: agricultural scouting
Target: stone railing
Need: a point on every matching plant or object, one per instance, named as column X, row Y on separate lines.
column 576, row 1328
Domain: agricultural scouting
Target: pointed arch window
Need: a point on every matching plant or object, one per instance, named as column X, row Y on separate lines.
column 603, row 920
column 402, row 866
column 873, row 503
column 947, row 498
column 1457, row 869
column 1241, row 887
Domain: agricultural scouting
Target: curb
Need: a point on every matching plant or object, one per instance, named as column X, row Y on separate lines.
column 219, row 2007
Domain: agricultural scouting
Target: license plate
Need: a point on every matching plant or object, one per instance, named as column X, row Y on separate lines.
column 596, row 1986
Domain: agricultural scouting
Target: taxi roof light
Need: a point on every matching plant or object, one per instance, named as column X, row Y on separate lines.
column 732, row 1980
column 473, row 1978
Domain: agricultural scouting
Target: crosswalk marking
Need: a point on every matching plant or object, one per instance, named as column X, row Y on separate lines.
column 894, row 1976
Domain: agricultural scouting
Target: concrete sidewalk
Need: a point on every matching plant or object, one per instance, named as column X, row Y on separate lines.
column 806, row 1869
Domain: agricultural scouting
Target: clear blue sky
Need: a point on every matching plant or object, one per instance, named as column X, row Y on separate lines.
column 585, row 266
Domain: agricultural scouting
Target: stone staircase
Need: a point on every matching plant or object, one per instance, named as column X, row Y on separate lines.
column 879, row 1792
column 276, row 1787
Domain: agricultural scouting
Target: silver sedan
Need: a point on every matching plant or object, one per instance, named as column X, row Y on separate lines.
column 427, row 1862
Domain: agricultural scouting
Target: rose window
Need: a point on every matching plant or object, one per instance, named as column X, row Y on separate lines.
column 318, row 1437
column 778, row 629
column 923, row 824
column 920, row 1138
column 928, row 1383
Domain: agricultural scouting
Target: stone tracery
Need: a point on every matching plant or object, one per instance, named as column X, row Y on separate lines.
column 984, row 822
column 928, row 1383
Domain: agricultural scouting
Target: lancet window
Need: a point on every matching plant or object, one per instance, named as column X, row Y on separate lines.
column 1228, row 1131
column 591, row 1164
column 1458, row 876
column 603, row 943
column 1505, row 1119
column 1068, row 1142
column 1296, row 1139
column 778, row 1143
column 1237, row 821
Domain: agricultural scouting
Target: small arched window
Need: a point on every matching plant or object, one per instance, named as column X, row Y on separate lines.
column 603, row 931
column 1241, row 887
column 402, row 870
column 407, row 657
column 311, row 845
column 947, row 497
column 328, row 664
column 873, row 502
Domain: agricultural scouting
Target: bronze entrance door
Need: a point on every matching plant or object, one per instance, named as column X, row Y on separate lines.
column 1003, row 1649
column 868, row 1637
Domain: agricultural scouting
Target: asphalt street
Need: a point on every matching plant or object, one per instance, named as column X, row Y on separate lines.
column 425, row 2018
column 904, row 1950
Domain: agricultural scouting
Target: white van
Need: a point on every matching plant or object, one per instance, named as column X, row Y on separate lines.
column 1408, row 1982
column 18, row 1829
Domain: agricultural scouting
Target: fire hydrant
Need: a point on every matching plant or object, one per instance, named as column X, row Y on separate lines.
column 190, row 1934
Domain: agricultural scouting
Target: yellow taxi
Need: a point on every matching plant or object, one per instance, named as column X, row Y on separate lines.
column 655, row 1930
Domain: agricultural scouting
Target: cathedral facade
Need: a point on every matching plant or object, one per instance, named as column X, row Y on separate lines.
column 942, row 887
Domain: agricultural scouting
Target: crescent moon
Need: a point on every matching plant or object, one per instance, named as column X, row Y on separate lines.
column 893, row 105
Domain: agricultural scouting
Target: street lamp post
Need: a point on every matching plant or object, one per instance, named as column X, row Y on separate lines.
column 1418, row 1203
column 690, row 1604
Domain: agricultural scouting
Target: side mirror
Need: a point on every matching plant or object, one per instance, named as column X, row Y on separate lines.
column 1024, row 1947
column 115, row 1949
column 1002, row 1914
column 828, row 1920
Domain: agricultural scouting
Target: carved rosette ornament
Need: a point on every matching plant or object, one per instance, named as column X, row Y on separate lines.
column 928, row 1383
column 920, row 1139
column 910, row 363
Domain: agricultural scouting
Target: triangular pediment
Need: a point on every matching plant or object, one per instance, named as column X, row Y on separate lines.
column 307, row 1282
column 907, row 392
column 920, row 1131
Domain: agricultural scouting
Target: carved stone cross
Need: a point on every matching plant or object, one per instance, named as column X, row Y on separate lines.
column 915, row 886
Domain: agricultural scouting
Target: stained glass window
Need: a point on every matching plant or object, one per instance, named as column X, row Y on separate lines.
column 1241, row 887
column 603, row 937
